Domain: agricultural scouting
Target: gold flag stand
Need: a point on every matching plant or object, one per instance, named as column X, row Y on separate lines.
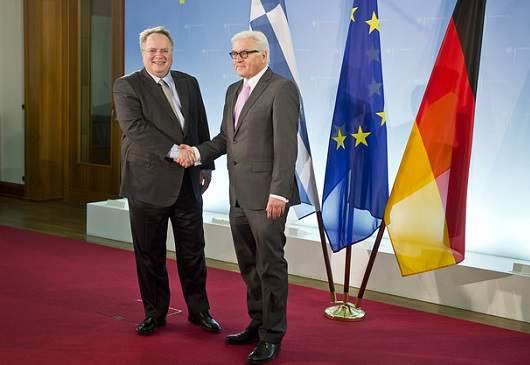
column 344, row 310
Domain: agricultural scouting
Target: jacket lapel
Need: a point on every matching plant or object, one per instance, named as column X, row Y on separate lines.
column 262, row 84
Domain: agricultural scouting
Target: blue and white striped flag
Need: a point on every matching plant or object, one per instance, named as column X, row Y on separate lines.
column 270, row 17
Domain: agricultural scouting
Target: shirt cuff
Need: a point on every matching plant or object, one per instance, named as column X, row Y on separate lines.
column 174, row 151
column 197, row 156
column 279, row 198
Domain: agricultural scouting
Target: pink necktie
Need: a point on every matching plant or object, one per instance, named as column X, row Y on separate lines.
column 241, row 99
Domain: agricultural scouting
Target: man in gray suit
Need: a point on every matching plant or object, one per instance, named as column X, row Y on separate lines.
column 159, row 109
column 259, row 136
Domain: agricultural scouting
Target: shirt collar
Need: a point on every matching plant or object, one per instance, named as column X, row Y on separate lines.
column 168, row 79
column 253, row 81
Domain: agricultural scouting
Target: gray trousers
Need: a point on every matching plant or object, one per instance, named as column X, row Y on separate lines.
column 259, row 244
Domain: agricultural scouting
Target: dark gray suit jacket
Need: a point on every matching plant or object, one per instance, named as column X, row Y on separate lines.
column 150, row 128
column 261, row 151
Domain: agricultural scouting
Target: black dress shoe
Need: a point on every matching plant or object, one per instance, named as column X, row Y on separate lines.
column 205, row 321
column 149, row 325
column 264, row 352
column 247, row 336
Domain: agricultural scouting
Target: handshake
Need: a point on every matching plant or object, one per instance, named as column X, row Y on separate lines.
column 187, row 156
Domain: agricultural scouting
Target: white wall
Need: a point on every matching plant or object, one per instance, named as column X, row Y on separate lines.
column 11, row 91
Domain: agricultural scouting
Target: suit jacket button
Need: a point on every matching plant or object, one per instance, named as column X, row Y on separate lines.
column 235, row 163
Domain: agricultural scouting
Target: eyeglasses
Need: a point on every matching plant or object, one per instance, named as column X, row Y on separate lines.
column 153, row 51
column 243, row 54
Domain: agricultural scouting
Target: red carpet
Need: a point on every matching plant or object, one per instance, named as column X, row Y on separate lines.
column 70, row 302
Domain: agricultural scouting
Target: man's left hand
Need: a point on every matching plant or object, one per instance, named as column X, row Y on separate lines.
column 275, row 208
column 205, row 176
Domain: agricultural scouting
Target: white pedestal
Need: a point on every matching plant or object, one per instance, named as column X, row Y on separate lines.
column 482, row 283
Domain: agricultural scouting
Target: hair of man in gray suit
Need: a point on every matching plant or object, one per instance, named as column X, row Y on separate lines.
column 262, row 43
column 250, row 52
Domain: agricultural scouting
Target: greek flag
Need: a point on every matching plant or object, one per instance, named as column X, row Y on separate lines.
column 270, row 17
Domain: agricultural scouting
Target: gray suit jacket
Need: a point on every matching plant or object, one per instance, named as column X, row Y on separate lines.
column 150, row 128
column 261, row 151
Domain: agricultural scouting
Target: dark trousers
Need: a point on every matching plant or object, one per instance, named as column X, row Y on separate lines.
column 149, row 232
column 259, row 244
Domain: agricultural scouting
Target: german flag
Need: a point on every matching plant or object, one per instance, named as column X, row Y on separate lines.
column 426, row 211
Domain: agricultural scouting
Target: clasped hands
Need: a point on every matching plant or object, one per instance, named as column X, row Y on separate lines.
column 186, row 156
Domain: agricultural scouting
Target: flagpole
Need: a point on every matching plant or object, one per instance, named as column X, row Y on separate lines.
column 370, row 264
column 347, row 267
column 331, row 283
column 344, row 310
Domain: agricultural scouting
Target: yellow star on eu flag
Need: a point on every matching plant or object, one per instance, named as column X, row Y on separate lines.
column 352, row 16
column 182, row 2
column 383, row 117
column 373, row 23
column 339, row 138
column 360, row 136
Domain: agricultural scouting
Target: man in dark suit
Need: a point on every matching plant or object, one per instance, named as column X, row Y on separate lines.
column 259, row 136
column 159, row 109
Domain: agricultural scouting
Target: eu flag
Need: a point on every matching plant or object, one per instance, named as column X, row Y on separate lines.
column 356, row 182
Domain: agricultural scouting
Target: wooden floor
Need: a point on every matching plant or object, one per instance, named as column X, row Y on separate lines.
column 68, row 220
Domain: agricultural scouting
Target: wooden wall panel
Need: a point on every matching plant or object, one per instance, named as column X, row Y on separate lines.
column 52, row 101
column 45, row 71
column 84, row 181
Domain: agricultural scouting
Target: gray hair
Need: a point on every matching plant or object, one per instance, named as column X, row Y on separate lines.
column 147, row 32
column 262, row 44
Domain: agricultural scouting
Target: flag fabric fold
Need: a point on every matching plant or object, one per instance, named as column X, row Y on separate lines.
column 426, row 211
column 356, row 180
column 270, row 17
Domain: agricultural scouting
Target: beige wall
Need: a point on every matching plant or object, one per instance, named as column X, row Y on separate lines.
column 11, row 91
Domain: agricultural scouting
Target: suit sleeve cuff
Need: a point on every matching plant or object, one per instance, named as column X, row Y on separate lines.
column 279, row 198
